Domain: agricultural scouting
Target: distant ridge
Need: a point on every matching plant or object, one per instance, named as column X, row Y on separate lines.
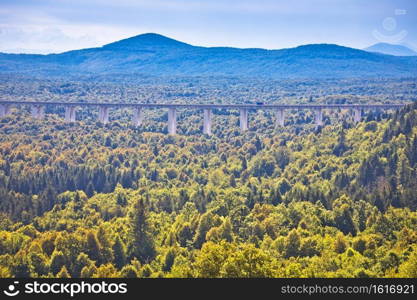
column 157, row 55
column 146, row 41
column 397, row 50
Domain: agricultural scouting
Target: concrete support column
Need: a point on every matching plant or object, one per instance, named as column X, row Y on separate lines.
column 33, row 111
column 137, row 116
column 103, row 115
column 172, row 120
column 319, row 117
column 243, row 119
column 207, row 121
column 280, row 118
column 37, row 111
column 357, row 114
column 70, row 113
column 4, row 110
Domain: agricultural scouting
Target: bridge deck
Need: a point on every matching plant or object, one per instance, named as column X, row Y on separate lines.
column 212, row 106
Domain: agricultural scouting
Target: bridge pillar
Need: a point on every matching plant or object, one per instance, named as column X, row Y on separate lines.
column 4, row 110
column 280, row 118
column 37, row 111
column 243, row 119
column 357, row 114
column 137, row 116
column 207, row 121
column 70, row 113
column 172, row 120
column 319, row 117
column 103, row 115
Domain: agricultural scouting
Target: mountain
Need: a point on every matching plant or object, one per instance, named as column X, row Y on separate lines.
column 397, row 50
column 148, row 41
column 154, row 54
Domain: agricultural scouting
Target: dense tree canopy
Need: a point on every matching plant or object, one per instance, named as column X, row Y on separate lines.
column 93, row 200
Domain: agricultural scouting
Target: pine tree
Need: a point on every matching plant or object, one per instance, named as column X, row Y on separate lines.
column 232, row 181
column 106, row 252
column 129, row 272
column 119, row 251
column 244, row 163
column 169, row 260
column 344, row 220
column 143, row 247
column 81, row 262
column 227, row 231
column 184, row 234
column 275, row 197
column 258, row 144
column 121, row 199
column 292, row 243
column 90, row 189
column 340, row 243
column 340, row 147
column 88, row 271
column 93, row 247
column 63, row 273
column 57, row 261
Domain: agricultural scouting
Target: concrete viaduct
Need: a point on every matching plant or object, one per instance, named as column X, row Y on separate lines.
column 38, row 111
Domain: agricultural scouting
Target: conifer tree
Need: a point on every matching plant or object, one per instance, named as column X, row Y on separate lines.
column 142, row 246
column 93, row 246
column 63, row 273
column 57, row 261
column 119, row 251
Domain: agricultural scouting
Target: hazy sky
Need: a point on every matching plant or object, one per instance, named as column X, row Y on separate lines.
column 44, row 26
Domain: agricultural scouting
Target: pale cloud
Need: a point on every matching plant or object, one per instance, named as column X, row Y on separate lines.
column 35, row 31
column 57, row 38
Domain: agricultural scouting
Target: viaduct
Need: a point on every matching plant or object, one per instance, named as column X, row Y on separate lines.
column 38, row 111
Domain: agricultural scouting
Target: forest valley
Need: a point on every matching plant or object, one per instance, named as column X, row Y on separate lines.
column 92, row 200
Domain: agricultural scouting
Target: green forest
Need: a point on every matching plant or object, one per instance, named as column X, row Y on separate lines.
column 86, row 200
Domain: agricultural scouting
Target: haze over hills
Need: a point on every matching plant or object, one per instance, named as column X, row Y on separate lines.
column 390, row 49
column 154, row 54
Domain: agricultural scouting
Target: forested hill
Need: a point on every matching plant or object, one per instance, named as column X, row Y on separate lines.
column 87, row 200
column 397, row 50
column 153, row 54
